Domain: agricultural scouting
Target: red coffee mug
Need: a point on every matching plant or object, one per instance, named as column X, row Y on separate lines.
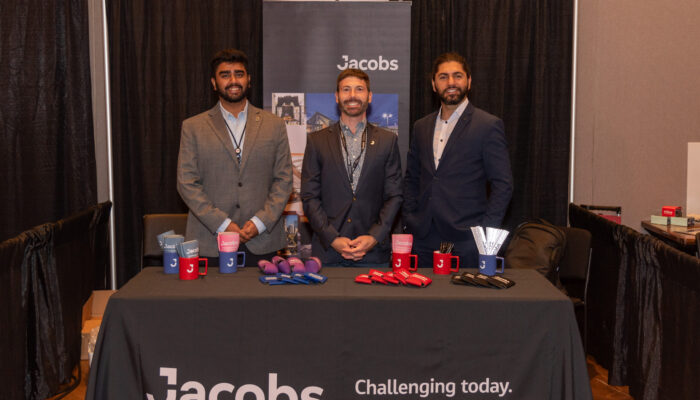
column 189, row 268
column 403, row 261
column 442, row 263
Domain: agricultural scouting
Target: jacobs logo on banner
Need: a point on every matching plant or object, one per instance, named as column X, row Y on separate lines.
column 306, row 45
column 379, row 63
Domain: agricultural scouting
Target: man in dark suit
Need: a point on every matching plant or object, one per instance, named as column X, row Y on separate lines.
column 455, row 153
column 234, row 169
column 351, row 181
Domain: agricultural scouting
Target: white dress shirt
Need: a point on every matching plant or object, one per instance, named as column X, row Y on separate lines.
column 237, row 127
column 443, row 130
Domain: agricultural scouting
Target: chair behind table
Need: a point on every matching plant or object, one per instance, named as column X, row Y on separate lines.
column 574, row 272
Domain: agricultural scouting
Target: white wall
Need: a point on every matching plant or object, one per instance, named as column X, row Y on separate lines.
column 99, row 105
column 637, row 103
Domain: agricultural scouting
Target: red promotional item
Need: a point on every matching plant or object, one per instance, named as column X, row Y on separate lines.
column 389, row 277
column 443, row 263
column 404, row 261
column 377, row 276
column 419, row 280
column 363, row 278
column 671, row 211
column 402, row 275
column 374, row 272
column 189, row 268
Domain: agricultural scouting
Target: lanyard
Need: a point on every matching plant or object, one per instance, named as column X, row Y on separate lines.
column 237, row 144
column 350, row 165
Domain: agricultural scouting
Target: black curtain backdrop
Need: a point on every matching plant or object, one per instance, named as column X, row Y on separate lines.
column 48, row 273
column 159, row 74
column 520, row 54
column 47, row 152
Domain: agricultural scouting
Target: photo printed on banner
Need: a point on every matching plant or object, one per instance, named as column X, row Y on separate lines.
column 322, row 111
column 290, row 107
column 310, row 112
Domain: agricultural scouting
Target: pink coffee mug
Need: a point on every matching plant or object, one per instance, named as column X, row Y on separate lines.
column 442, row 263
column 403, row 261
column 189, row 268
column 401, row 243
column 228, row 241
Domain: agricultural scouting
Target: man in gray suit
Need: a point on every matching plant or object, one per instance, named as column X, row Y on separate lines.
column 234, row 169
column 351, row 181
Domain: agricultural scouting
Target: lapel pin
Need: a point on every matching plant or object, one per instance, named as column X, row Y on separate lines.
column 371, row 143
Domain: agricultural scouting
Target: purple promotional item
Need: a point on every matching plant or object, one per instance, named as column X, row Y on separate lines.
column 313, row 265
column 296, row 264
column 282, row 264
column 267, row 268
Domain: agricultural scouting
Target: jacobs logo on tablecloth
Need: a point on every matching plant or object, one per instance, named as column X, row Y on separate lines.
column 365, row 387
column 196, row 390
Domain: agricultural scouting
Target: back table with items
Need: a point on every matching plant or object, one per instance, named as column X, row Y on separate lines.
column 228, row 336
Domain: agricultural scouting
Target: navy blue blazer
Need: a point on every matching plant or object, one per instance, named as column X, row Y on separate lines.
column 454, row 196
column 329, row 203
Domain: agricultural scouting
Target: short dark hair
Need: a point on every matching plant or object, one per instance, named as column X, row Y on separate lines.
column 451, row 56
column 230, row 56
column 352, row 72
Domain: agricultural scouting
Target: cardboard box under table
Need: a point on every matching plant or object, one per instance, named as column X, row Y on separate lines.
column 93, row 309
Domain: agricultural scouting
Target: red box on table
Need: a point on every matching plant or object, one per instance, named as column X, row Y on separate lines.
column 672, row 211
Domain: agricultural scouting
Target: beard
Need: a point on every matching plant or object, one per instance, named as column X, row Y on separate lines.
column 232, row 99
column 454, row 98
column 355, row 112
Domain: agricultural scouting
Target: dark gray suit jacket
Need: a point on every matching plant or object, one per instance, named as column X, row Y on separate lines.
column 329, row 203
column 215, row 187
column 453, row 197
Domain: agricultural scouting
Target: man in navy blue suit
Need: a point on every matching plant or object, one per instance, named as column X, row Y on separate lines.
column 458, row 170
column 351, row 181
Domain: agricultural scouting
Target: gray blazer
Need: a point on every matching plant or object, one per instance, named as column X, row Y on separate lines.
column 215, row 187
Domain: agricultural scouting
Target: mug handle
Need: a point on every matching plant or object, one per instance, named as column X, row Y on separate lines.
column 415, row 262
column 503, row 265
column 206, row 265
column 242, row 263
column 457, row 266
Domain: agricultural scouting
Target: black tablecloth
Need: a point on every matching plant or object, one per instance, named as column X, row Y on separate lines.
column 341, row 340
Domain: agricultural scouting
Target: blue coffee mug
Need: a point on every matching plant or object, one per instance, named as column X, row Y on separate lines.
column 488, row 264
column 171, row 262
column 229, row 261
